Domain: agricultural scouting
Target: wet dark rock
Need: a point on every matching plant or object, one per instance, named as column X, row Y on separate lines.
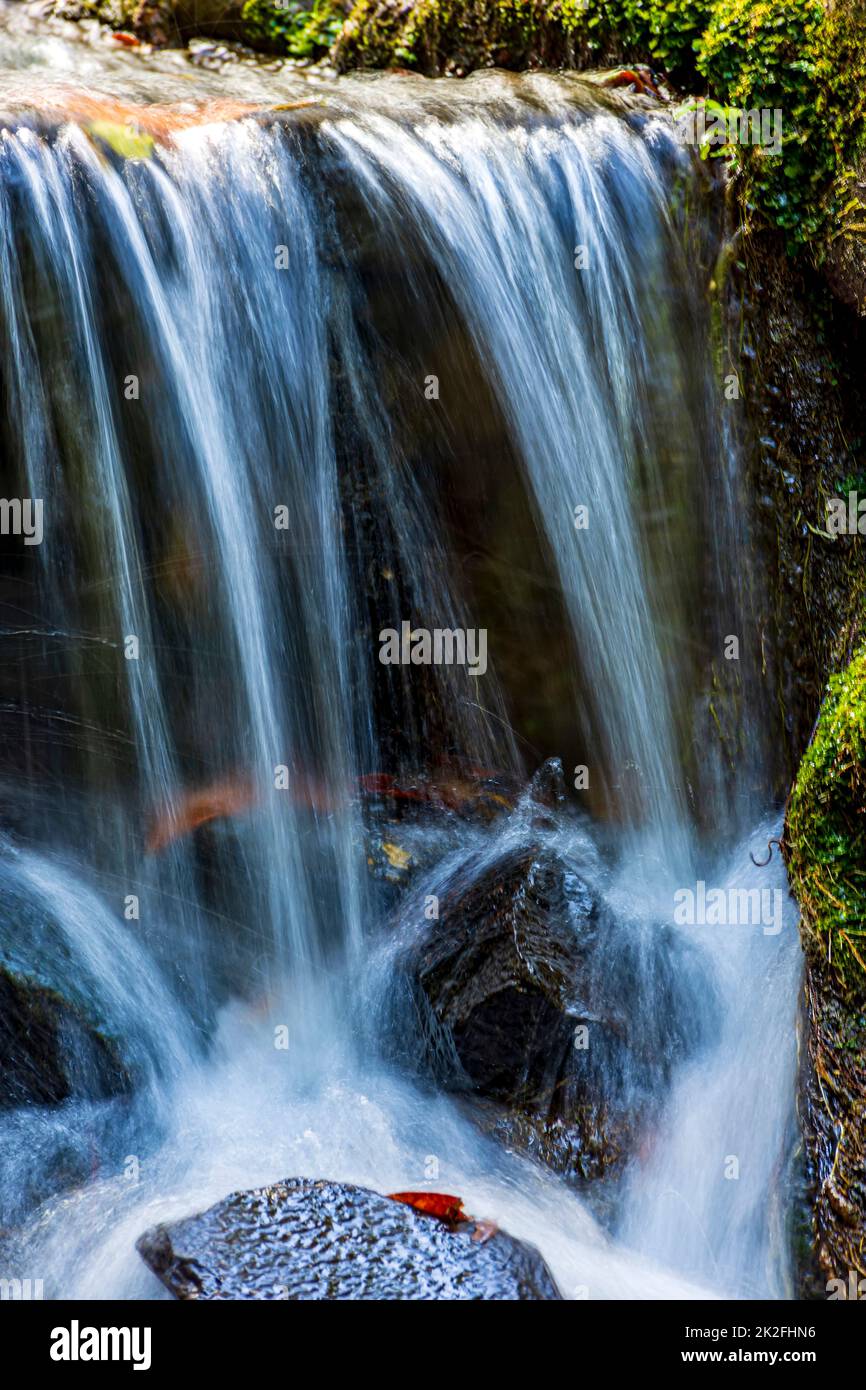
column 547, row 793
column 805, row 394
column 54, row 1046
column 547, row 787
column 528, row 996
column 308, row 1239
column 49, row 1051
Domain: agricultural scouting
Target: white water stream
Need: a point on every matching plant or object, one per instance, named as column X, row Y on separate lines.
column 253, row 657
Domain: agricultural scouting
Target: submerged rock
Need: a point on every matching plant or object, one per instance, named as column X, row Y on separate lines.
column 50, row 1051
column 54, row 1044
column 564, row 1023
column 309, row 1239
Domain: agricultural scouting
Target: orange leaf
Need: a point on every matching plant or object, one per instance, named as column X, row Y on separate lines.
column 439, row 1204
column 639, row 78
column 227, row 798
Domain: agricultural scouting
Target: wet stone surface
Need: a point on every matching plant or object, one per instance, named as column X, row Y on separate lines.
column 307, row 1239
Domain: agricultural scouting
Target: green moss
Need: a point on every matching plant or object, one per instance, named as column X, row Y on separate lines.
column 808, row 60
column 825, row 835
column 457, row 36
column 297, row 30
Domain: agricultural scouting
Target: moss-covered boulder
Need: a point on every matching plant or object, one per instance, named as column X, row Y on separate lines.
column 826, row 835
column 456, row 37
column 806, row 60
column 825, row 845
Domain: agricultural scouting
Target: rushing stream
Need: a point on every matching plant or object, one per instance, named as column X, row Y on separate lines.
column 245, row 324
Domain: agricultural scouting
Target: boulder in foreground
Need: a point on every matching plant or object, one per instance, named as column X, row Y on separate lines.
column 308, row 1239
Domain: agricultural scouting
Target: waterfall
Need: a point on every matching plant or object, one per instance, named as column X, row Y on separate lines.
column 499, row 213
column 217, row 368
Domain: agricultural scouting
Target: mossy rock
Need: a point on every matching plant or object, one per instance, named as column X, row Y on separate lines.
column 456, row 37
column 825, row 838
column 826, row 830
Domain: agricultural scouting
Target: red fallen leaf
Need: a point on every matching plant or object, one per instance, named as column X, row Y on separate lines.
column 439, row 1204
column 129, row 39
column 640, row 78
column 233, row 795
column 226, row 798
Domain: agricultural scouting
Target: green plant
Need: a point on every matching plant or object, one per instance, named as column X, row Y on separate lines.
column 825, row 834
column 297, row 29
column 784, row 56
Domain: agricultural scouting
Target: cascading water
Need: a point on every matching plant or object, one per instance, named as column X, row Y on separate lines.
column 239, row 327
